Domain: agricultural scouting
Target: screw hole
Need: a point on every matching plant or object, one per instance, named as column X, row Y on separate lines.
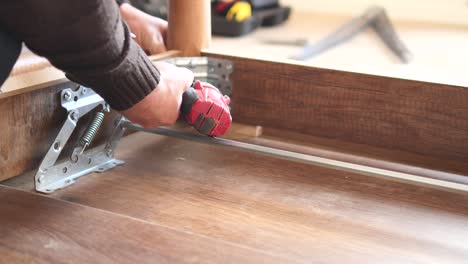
column 65, row 169
column 56, row 145
column 75, row 98
column 90, row 160
column 220, row 65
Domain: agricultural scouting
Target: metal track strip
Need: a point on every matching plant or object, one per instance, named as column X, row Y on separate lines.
column 303, row 158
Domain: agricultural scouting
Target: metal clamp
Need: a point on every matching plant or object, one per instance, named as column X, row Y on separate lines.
column 51, row 175
column 211, row 70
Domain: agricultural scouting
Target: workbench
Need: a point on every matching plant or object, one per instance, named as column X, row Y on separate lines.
column 177, row 201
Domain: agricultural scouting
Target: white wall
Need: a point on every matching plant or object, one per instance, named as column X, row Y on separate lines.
column 433, row 11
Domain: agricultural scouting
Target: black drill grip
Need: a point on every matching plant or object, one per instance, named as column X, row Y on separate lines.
column 189, row 97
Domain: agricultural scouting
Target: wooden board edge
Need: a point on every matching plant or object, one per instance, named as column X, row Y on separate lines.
column 46, row 75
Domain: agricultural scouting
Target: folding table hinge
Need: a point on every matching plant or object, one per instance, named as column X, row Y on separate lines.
column 53, row 175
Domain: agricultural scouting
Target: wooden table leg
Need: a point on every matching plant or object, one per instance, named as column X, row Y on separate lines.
column 189, row 26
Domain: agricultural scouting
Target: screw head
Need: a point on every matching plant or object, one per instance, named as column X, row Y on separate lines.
column 109, row 153
column 67, row 96
column 74, row 115
column 74, row 158
column 39, row 180
column 84, row 90
column 106, row 108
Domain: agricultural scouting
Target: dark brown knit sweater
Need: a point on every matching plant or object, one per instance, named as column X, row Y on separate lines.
column 88, row 40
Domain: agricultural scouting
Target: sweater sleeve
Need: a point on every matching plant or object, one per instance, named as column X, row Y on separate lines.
column 89, row 41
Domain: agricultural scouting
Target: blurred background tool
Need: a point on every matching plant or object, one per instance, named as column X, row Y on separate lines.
column 374, row 17
column 240, row 17
column 233, row 10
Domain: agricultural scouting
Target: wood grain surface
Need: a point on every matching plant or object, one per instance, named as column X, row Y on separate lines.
column 297, row 211
column 38, row 229
column 427, row 119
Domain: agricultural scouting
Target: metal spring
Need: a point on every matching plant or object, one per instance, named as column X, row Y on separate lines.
column 92, row 129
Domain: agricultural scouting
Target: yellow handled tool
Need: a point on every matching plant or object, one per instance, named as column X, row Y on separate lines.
column 234, row 10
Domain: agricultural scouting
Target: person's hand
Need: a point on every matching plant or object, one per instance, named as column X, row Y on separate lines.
column 150, row 31
column 162, row 105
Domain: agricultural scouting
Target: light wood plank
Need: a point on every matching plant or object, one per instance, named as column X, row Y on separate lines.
column 33, row 72
column 439, row 51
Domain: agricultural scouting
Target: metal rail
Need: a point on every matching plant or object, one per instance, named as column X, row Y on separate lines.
column 461, row 182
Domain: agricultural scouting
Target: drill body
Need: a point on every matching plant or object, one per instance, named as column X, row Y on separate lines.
column 206, row 109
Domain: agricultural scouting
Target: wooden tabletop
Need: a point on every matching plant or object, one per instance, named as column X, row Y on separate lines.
column 180, row 201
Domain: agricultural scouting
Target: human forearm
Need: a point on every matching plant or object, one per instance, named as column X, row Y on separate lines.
column 88, row 40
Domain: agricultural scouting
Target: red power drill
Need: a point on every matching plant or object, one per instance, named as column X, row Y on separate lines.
column 207, row 109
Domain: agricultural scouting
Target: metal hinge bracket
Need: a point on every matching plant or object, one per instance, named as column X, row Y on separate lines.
column 53, row 175
column 211, row 70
